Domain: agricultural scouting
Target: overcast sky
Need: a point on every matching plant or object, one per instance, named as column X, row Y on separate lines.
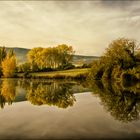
column 88, row 26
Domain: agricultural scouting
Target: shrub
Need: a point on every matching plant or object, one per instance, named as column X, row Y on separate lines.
column 46, row 69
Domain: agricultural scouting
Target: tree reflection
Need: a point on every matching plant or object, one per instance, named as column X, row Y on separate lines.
column 2, row 101
column 24, row 83
column 39, row 91
column 51, row 93
column 121, row 101
column 7, row 92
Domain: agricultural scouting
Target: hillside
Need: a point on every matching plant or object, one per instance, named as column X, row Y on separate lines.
column 21, row 54
column 81, row 59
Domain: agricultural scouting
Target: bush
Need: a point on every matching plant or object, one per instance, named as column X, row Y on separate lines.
column 46, row 69
column 87, row 65
column 66, row 67
column 70, row 66
column 25, row 67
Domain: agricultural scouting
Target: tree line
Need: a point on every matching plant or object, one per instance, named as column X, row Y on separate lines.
column 39, row 59
column 121, row 60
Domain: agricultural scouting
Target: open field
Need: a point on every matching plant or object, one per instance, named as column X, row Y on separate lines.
column 64, row 74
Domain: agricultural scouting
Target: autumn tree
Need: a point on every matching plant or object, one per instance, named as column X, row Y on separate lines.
column 25, row 67
column 65, row 54
column 2, row 54
column 120, row 54
column 33, row 57
column 2, row 57
column 52, row 57
column 9, row 64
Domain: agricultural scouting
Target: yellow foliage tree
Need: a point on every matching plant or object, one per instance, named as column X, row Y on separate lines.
column 9, row 66
column 52, row 57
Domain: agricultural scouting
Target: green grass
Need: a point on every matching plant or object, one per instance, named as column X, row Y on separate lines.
column 64, row 74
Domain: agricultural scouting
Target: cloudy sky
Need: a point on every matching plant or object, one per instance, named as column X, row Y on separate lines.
column 89, row 26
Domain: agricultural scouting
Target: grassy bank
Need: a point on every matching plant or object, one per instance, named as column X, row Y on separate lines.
column 64, row 74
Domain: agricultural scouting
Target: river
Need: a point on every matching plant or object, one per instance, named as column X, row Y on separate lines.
column 48, row 109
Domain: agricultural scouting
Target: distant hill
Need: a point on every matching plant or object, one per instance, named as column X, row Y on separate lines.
column 21, row 54
column 82, row 59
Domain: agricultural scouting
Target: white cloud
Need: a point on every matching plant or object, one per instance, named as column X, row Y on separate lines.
column 88, row 26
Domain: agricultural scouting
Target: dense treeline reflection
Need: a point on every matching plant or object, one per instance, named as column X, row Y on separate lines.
column 122, row 101
column 40, row 92
column 51, row 93
column 118, row 98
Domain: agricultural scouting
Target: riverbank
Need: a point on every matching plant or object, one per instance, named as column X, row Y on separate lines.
column 63, row 74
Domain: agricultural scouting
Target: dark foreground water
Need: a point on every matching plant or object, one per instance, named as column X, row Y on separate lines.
column 42, row 109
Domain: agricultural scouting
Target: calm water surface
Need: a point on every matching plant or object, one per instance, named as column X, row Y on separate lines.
column 42, row 109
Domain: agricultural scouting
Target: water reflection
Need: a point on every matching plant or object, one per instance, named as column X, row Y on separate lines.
column 121, row 100
column 40, row 92
column 7, row 92
column 51, row 93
